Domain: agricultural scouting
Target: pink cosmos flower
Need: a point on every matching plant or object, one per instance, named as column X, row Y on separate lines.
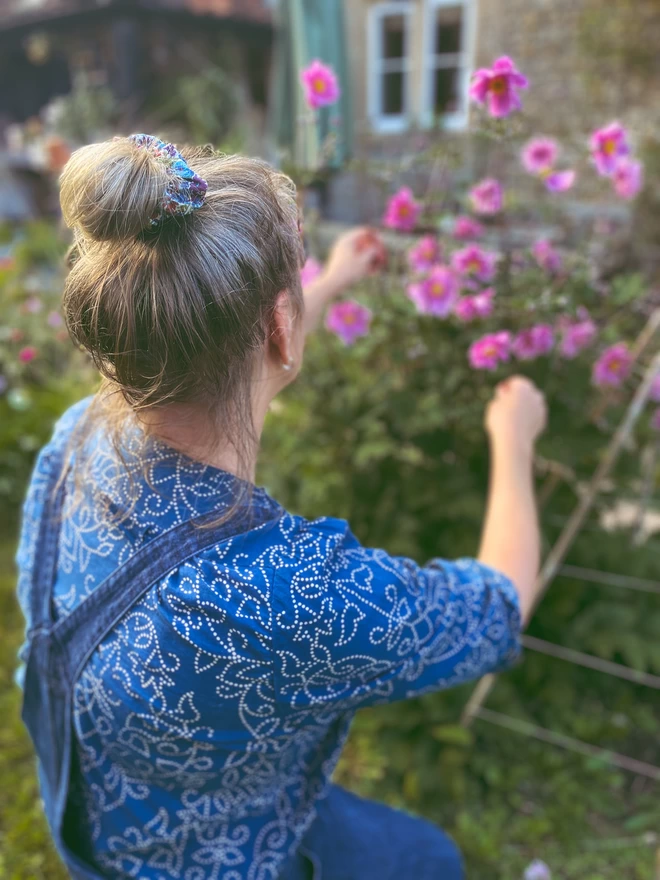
column 55, row 319
column 655, row 420
column 320, row 84
column 435, row 294
column 474, row 262
column 608, row 145
column 537, row 870
column 560, row 181
column 470, row 308
column 466, row 228
column 534, row 342
column 402, row 211
column 27, row 354
column 614, row 366
column 547, row 257
column 628, row 178
column 348, row 320
column 486, row 197
column 577, row 335
column 310, row 271
column 424, row 255
column 498, row 86
column 539, row 155
column 490, row 351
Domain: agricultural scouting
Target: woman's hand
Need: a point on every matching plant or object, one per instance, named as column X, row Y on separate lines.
column 355, row 255
column 517, row 415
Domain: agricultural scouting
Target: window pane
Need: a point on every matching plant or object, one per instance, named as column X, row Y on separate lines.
column 393, row 93
column 394, row 37
column 448, row 30
column 446, row 91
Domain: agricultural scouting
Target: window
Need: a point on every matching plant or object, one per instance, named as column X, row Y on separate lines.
column 389, row 54
column 448, row 36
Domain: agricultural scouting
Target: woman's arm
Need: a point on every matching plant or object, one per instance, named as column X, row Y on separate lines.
column 354, row 256
column 511, row 540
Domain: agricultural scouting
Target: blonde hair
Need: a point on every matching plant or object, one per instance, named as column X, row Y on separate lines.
column 177, row 313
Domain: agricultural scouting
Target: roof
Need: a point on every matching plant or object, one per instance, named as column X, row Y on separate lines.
column 35, row 12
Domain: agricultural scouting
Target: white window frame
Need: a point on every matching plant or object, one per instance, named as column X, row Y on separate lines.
column 458, row 120
column 377, row 66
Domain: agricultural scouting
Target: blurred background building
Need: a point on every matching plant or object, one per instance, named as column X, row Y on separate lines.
column 227, row 72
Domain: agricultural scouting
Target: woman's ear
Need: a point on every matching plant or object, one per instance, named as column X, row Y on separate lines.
column 282, row 348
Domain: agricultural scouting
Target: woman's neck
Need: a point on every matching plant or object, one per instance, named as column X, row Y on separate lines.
column 192, row 429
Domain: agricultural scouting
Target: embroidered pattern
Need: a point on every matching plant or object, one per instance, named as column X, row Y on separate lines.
column 209, row 721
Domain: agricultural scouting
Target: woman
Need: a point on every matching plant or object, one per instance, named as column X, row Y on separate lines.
column 194, row 652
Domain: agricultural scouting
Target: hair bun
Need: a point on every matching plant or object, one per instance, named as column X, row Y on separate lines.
column 111, row 191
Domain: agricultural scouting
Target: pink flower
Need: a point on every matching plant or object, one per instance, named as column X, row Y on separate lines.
column 490, row 351
column 534, row 342
column 424, row 255
column 486, row 197
column 559, row 181
column 32, row 305
column 55, row 319
column 435, row 294
column 320, row 84
column 547, row 257
column 608, row 145
column 469, row 308
column 466, row 228
column 310, row 271
column 498, row 86
column 539, row 155
column 628, row 178
column 402, row 211
column 27, row 354
column 577, row 335
column 537, row 870
column 348, row 320
column 474, row 262
column 655, row 420
column 614, row 366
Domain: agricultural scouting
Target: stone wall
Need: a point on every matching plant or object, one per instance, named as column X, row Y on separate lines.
column 588, row 61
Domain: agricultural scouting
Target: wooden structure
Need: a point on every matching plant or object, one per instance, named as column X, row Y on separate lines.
column 127, row 44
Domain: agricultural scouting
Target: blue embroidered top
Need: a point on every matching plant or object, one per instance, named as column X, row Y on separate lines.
column 209, row 720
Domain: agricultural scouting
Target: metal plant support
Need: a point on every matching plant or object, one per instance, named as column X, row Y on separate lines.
column 554, row 566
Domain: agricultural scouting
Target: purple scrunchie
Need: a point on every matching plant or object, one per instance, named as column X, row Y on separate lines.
column 185, row 191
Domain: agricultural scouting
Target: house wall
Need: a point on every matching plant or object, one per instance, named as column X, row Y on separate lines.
column 588, row 61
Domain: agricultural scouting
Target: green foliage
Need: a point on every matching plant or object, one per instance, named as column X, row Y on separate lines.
column 34, row 394
column 87, row 111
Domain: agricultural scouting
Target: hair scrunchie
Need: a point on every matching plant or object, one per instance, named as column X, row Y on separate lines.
column 185, row 191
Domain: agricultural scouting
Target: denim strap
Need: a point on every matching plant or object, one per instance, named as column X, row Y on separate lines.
column 45, row 560
column 80, row 632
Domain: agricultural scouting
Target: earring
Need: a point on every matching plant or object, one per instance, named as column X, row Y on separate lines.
column 288, row 366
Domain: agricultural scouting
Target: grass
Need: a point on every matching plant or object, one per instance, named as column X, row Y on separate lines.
column 505, row 799
column 26, row 852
